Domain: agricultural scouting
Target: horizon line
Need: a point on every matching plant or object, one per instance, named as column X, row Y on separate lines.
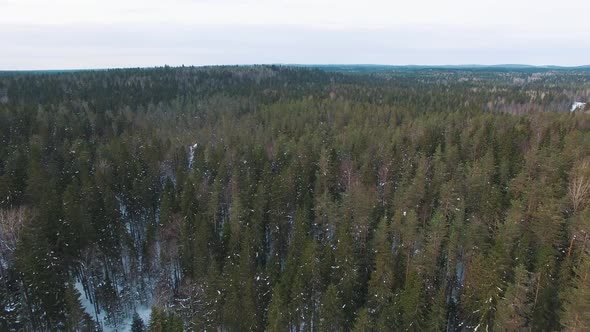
column 434, row 66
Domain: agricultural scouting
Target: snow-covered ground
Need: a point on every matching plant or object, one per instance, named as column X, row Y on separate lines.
column 191, row 155
column 88, row 305
column 143, row 311
column 577, row 105
column 126, row 282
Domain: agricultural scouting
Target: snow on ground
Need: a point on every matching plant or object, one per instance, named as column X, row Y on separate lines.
column 143, row 312
column 88, row 306
column 191, row 155
column 577, row 105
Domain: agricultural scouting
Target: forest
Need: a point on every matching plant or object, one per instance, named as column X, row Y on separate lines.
column 278, row 198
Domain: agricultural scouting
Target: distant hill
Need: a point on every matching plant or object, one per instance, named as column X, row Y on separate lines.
column 364, row 68
column 359, row 68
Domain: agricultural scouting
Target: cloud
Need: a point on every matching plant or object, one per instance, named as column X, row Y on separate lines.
column 124, row 45
column 536, row 14
column 109, row 33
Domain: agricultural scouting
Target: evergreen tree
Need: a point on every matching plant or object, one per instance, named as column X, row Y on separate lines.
column 514, row 309
column 362, row 322
column 157, row 322
column 412, row 304
column 576, row 309
column 331, row 306
column 278, row 319
column 381, row 284
column 314, row 200
column 137, row 324
column 76, row 318
column 437, row 317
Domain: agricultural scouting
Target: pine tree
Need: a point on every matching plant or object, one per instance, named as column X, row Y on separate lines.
column 412, row 304
column 278, row 319
column 437, row 317
column 344, row 269
column 38, row 257
column 362, row 322
column 576, row 308
column 249, row 316
column 76, row 318
column 157, row 320
column 212, row 302
column 173, row 323
column 514, row 309
column 137, row 324
column 331, row 318
column 194, row 234
column 480, row 293
column 381, row 284
column 168, row 205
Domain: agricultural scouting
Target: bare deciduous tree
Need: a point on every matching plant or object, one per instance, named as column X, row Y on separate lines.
column 12, row 222
column 579, row 186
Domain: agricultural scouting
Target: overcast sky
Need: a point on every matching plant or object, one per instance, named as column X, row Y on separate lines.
column 71, row 34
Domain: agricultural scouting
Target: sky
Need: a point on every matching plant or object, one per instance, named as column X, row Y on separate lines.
column 79, row 34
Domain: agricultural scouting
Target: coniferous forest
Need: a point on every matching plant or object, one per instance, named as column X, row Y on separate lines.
column 274, row 198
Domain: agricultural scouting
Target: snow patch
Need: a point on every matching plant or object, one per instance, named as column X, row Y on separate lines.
column 191, row 155
column 577, row 106
column 143, row 312
column 100, row 317
column 88, row 306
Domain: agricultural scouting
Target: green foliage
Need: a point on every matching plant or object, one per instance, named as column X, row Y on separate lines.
column 362, row 323
column 313, row 200
column 514, row 309
column 331, row 313
column 137, row 324
column 576, row 308
column 163, row 321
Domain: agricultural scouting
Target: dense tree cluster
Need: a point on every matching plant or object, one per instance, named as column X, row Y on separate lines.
column 292, row 199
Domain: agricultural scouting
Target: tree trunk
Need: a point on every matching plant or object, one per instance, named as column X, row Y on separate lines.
column 569, row 251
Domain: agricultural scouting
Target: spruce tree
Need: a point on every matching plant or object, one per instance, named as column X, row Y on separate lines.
column 576, row 308
column 137, row 324
column 514, row 309
column 331, row 310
